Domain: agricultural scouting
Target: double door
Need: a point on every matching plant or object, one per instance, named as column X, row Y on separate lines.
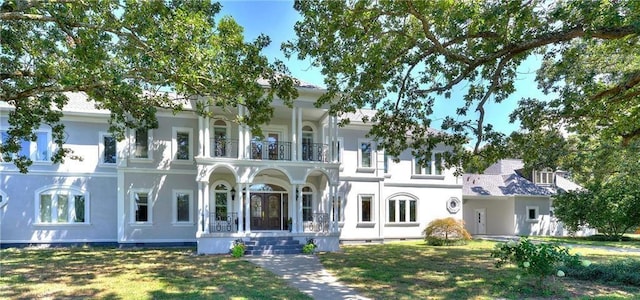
column 268, row 210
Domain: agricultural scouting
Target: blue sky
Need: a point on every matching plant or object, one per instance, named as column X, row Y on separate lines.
column 277, row 19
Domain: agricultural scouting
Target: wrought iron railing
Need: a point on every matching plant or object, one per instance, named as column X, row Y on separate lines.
column 223, row 223
column 224, row 148
column 320, row 223
column 268, row 150
column 314, row 152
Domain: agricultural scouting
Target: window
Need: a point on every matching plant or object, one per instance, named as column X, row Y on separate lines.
column 365, row 155
column 3, row 199
column 366, row 208
column 432, row 166
column 338, row 212
column 544, row 177
column 339, row 143
column 532, row 213
column 307, row 143
column 62, row 205
column 182, row 144
column 220, row 142
column 402, row 210
column 38, row 150
column 142, row 139
column 182, row 206
column 221, row 206
column 107, row 147
column 307, row 204
column 141, row 206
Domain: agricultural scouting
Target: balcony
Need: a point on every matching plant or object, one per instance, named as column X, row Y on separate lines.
column 223, row 223
column 224, row 148
column 269, row 150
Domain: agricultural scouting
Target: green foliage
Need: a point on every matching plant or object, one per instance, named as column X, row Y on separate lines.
column 445, row 232
column 611, row 207
column 620, row 272
column 408, row 57
column 309, row 247
column 114, row 51
column 238, row 248
column 540, row 260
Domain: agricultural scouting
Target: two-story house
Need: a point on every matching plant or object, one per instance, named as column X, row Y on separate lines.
column 209, row 181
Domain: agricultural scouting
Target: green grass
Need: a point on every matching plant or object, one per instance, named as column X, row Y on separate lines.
column 414, row 270
column 633, row 242
column 103, row 273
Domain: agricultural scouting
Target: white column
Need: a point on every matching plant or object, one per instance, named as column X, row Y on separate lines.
column 299, row 208
column 331, row 207
column 299, row 132
column 207, row 137
column 294, row 134
column 240, row 207
column 200, row 136
column 207, row 209
column 334, row 135
column 200, row 209
column 294, row 208
column 240, row 135
column 247, row 210
column 329, row 134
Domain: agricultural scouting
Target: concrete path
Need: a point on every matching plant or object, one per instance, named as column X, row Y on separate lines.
column 306, row 273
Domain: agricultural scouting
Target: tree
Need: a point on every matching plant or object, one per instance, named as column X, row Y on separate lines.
column 402, row 57
column 123, row 55
column 611, row 206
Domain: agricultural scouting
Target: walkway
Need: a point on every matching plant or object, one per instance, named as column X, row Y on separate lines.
column 306, row 273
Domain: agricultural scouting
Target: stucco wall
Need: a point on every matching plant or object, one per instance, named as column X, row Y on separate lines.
column 499, row 215
column 540, row 226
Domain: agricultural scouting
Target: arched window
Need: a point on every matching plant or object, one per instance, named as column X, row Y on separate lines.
column 307, row 143
column 307, row 204
column 62, row 205
column 221, row 204
column 402, row 209
column 220, row 138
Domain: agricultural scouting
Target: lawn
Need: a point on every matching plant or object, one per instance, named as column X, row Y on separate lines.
column 106, row 273
column 413, row 270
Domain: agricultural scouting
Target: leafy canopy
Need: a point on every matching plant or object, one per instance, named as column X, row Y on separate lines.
column 402, row 57
column 123, row 54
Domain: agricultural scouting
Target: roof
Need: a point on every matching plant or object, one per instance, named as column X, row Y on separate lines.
column 504, row 179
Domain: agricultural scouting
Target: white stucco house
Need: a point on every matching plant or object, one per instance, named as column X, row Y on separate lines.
column 208, row 181
column 506, row 201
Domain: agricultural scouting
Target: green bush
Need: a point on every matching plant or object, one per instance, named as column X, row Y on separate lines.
column 620, row 272
column 446, row 232
column 540, row 260
column 238, row 248
column 309, row 247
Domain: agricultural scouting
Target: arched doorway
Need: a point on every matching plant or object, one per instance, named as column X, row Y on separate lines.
column 268, row 207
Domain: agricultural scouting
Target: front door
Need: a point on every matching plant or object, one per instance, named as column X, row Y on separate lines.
column 266, row 211
column 480, row 220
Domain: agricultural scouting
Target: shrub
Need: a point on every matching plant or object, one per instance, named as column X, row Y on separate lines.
column 447, row 231
column 238, row 248
column 540, row 260
column 620, row 272
column 309, row 247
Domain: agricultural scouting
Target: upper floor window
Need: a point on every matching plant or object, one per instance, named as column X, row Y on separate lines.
column 38, row 150
column 307, row 204
column 365, row 154
column 142, row 139
column 365, row 211
column 402, row 210
column 62, row 205
column 182, row 206
column 544, row 177
column 107, row 148
column 433, row 165
column 308, row 150
column 422, row 168
column 182, row 144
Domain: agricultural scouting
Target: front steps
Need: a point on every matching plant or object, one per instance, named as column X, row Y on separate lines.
column 272, row 245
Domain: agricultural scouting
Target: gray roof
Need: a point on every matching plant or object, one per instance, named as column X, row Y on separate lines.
column 504, row 179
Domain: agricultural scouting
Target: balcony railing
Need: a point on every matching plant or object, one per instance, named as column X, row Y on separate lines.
column 320, row 223
column 224, row 148
column 314, row 152
column 270, row 150
column 223, row 223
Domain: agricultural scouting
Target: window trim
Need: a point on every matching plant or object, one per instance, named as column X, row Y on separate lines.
column 361, row 168
column 174, row 144
column 432, row 169
column 57, row 190
column 132, row 149
column 213, row 204
column 132, row 208
column 372, row 209
column 402, row 197
column 313, row 200
column 537, row 213
column 101, row 149
column 174, row 204
column 546, row 172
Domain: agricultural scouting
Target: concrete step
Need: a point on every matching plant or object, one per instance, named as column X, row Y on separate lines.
column 272, row 245
column 272, row 252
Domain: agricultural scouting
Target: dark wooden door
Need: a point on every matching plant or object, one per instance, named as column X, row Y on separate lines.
column 266, row 211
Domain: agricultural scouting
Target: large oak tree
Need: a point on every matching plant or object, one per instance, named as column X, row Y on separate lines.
column 402, row 57
column 123, row 55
